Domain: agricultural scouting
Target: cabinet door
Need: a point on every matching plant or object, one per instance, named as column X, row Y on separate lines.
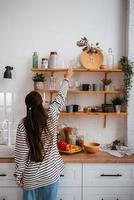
column 10, row 194
column 69, row 193
column 6, row 174
column 108, row 175
column 108, row 194
column 71, row 175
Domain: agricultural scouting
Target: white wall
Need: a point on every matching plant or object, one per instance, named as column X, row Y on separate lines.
column 46, row 25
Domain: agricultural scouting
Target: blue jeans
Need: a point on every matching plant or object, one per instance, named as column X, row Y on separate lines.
column 48, row 192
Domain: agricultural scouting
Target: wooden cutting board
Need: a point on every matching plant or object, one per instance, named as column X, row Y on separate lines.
column 91, row 60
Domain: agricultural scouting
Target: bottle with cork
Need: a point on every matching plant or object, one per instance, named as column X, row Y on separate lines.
column 35, row 59
column 110, row 59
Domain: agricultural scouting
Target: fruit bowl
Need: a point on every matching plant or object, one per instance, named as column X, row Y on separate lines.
column 92, row 147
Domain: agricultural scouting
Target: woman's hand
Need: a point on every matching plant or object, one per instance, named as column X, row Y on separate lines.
column 20, row 185
column 68, row 73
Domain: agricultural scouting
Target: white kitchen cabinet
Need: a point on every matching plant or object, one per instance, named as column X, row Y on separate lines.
column 108, row 181
column 71, row 176
column 71, row 183
column 8, row 187
column 69, row 193
column 108, row 175
column 80, row 182
column 6, row 175
column 98, row 193
column 10, row 193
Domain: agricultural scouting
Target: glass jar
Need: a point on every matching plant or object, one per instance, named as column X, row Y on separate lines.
column 52, row 62
column 44, row 63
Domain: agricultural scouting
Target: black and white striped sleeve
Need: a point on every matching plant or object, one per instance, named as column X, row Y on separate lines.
column 57, row 104
column 21, row 152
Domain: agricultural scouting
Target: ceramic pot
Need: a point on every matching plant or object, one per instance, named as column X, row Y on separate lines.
column 106, row 87
column 38, row 85
column 118, row 108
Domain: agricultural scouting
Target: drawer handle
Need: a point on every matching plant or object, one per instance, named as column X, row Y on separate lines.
column 3, row 174
column 103, row 199
column 117, row 175
column 62, row 175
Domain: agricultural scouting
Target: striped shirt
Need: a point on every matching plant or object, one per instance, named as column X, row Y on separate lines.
column 31, row 174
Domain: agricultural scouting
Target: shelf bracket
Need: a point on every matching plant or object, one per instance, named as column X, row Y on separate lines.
column 104, row 122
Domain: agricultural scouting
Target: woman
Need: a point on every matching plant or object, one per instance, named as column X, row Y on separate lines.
column 38, row 162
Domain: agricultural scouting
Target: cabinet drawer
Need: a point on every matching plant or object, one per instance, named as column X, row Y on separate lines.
column 10, row 194
column 108, row 194
column 71, row 175
column 108, row 175
column 6, row 174
column 69, row 193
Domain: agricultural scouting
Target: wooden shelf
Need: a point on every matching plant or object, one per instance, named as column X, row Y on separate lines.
column 80, row 69
column 77, row 91
column 81, row 113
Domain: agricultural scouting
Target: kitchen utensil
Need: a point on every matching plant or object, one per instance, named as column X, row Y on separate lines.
column 91, row 147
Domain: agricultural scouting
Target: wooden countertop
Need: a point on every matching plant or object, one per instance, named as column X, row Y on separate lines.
column 100, row 157
column 83, row 157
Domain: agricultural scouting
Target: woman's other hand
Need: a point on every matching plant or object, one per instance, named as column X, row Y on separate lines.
column 68, row 73
column 20, row 185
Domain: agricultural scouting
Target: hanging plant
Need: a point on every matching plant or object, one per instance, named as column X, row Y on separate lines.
column 127, row 67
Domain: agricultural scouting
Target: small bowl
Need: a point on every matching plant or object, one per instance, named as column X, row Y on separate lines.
column 92, row 147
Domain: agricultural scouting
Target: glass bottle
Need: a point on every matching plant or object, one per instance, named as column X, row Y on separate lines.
column 52, row 83
column 35, row 60
column 110, row 58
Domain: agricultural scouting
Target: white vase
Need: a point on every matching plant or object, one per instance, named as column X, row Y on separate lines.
column 38, row 85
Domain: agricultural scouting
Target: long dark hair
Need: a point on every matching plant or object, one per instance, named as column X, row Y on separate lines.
column 35, row 124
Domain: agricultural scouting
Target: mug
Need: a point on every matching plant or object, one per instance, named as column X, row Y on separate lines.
column 96, row 87
column 69, row 108
column 76, row 108
column 86, row 87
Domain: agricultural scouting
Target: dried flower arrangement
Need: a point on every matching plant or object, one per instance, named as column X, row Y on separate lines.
column 90, row 48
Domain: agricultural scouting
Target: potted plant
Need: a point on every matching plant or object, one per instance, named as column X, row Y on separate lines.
column 38, row 79
column 117, row 102
column 106, row 83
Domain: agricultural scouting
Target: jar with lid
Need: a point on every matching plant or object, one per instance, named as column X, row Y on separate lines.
column 52, row 62
column 44, row 63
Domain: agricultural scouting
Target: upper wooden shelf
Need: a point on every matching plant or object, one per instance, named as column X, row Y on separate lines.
column 77, row 91
column 80, row 69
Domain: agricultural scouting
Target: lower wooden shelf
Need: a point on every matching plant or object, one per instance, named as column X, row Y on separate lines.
column 78, row 91
column 80, row 113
